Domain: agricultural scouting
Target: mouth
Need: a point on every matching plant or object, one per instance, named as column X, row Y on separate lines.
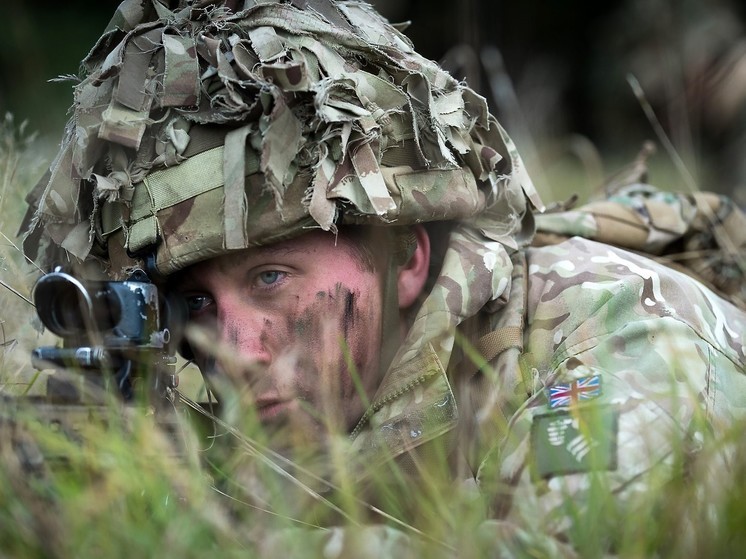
column 270, row 409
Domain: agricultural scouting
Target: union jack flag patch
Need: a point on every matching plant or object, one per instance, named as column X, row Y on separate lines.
column 564, row 395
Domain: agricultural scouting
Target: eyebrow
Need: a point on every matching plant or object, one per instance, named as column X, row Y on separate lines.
column 259, row 252
column 185, row 278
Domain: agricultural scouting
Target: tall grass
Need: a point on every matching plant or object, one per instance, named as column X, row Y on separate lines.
column 20, row 167
column 120, row 486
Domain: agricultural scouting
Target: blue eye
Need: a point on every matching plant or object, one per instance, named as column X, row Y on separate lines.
column 269, row 277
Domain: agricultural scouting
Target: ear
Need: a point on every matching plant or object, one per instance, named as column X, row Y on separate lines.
column 413, row 275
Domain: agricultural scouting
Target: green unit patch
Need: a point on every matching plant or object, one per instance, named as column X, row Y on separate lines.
column 575, row 440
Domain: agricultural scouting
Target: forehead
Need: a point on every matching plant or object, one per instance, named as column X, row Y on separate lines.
column 315, row 249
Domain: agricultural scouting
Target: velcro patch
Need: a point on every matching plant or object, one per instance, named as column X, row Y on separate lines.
column 576, row 440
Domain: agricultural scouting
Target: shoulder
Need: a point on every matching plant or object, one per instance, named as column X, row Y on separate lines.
column 583, row 288
column 579, row 256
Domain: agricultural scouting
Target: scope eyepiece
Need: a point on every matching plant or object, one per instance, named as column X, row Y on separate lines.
column 120, row 313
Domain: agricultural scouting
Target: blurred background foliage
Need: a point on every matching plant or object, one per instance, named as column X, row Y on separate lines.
column 556, row 74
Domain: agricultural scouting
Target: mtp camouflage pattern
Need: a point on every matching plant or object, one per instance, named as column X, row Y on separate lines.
column 670, row 356
column 201, row 128
column 700, row 233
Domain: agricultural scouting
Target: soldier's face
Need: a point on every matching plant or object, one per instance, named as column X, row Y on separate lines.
column 293, row 324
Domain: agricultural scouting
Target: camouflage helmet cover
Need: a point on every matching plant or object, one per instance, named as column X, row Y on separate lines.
column 203, row 127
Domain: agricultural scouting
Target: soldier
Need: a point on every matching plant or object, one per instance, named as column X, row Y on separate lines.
column 351, row 229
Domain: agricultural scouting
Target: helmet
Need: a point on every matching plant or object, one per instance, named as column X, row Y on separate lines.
column 203, row 127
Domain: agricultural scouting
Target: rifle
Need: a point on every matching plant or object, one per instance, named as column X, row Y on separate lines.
column 119, row 342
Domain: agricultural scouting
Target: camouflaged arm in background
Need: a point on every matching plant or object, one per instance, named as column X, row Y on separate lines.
column 702, row 234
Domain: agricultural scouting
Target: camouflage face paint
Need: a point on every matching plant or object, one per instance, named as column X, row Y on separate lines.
column 300, row 319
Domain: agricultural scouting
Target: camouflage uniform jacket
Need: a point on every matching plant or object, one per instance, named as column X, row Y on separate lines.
column 598, row 359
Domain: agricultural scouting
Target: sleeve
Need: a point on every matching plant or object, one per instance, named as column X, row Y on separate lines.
column 634, row 369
